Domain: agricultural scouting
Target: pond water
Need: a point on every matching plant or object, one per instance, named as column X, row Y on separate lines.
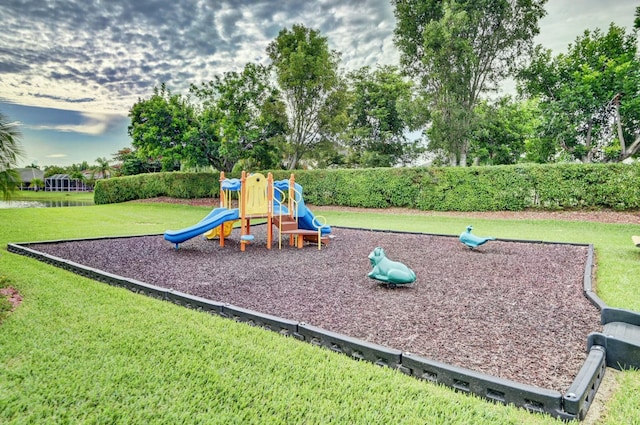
column 43, row 204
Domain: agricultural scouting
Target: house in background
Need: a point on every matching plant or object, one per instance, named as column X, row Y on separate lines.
column 28, row 175
column 64, row 183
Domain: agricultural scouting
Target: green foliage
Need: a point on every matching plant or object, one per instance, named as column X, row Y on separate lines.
column 310, row 86
column 589, row 96
column 51, row 170
column 10, row 152
column 103, row 168
column 496, row 188
column 144, row 186
column 134, row 162
column 502, row 131
column 460, row 51
column 581, row 186
column 376, row 133
column 242, row 111
column 165, row 125
column 474, row 189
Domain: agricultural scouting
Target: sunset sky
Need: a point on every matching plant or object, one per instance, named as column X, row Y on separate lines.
column 71, row 70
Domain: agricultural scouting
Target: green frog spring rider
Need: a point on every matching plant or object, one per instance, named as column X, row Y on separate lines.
column 389, row 272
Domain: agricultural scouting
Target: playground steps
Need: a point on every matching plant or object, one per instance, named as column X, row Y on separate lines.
column 288, row 223
column 289, row 226
column 620, row 337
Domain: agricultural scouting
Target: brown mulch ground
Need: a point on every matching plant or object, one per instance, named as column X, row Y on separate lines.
column 510, row 309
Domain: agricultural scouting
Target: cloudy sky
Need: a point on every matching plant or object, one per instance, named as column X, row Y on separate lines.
column 70, row 70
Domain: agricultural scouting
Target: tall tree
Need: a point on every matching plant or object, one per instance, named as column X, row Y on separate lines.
column 590, row 96
column 10, row 152
column 378, row 118
column 307, row 74
column 460, row 50
column 165, row 126
column 245, row 114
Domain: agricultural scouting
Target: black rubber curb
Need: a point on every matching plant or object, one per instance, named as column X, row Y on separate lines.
column 621, row 346
column 353, row 347
column 574, row 404
column 499, row 390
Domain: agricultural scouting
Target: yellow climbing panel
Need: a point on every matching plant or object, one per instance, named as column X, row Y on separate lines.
column 256, row 196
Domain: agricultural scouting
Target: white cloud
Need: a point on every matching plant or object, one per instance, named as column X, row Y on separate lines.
column 103, row 56
column 93, row 124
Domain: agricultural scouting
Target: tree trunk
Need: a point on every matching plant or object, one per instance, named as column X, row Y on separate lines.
column 453, row 159
column 618, row 121
column 293, row 161
column 463, row 153
column 635, row 146
column 463, row 159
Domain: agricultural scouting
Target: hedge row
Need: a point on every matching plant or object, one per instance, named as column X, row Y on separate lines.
column 497, row 188
column 144, row 186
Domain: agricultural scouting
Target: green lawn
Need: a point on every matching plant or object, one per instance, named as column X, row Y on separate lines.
column 78, row 351
column 41, row 195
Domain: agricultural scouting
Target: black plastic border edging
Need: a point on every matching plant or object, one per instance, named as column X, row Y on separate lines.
column 573, row 405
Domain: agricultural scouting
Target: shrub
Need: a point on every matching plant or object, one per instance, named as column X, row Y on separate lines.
column 144, row 186
column 496, row 188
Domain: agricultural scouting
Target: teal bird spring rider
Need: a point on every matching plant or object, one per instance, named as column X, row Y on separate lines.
column 389, row 272
column 473, row 241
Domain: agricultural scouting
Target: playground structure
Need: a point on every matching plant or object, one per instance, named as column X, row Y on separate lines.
column 259, row 197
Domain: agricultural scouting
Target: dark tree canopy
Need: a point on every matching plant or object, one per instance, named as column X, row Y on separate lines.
column 164, row 126
column 243, row 112
column 378, row 118
column 590, row 96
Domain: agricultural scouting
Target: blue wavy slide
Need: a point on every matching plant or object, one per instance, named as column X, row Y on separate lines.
column 306, row 219
column 214, row 219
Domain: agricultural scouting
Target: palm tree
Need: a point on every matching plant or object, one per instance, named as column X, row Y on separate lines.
column 103, row 168
column 10, row 151
column 37, row 184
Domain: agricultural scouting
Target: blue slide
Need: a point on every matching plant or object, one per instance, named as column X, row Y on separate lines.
column 214, row 219
column 305, row 216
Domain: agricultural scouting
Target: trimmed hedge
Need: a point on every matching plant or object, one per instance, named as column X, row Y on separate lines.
column 144, row 186
column 497, row 188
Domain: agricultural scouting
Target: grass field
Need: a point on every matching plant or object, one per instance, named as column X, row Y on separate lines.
column 41, row 195
column 78, row 351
